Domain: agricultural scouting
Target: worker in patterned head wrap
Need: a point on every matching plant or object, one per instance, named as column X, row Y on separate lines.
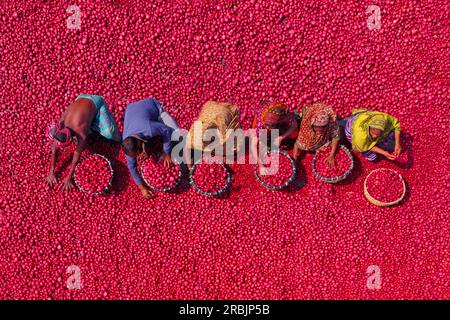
column 276, row 115
column 86, row 117
column 273, row 116
column 218, row 118
column 372, row 133
column 318, row 128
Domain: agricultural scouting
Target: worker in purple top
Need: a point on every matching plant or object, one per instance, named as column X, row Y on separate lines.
column 144, row 120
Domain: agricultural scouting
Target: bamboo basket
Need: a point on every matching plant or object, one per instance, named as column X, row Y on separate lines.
column 380, row 203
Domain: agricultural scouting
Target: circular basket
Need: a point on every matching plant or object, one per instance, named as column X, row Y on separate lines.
column 334, row 179
column 380, row 203
column 166, row 189
column 229, row 180
column 288, row 182
column 110, row 180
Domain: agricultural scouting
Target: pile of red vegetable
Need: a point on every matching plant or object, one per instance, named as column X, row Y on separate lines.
column 312, row 243
column 343, row 163
column 159, row 177
column 385, row 185
column 276, row 170
column 211, row 178
column 93, row 174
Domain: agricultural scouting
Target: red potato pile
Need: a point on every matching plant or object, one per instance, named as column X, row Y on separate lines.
column 158, row 176
column 342, row 163
column 385, row 186
column 276, row 169
column 314, row 243
column 210, row 177
column 93, row 174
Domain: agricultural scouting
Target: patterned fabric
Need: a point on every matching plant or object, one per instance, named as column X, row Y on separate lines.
column 214, row 115
column 104, row 122
column 363, row 120
column 348, row 126
column 56, row 128
column 385, row 144
column 317, row 115
column 274, row 114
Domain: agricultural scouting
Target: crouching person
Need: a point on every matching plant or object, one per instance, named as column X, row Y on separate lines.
column 87, row 115
column 144, row 121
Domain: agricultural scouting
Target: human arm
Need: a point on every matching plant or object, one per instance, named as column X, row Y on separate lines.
column 335, row 137
column 330, row 161
column 67, row 182
column 296, row 152
column 383, row 152
column 51, row 179
column 132, row 167
column 187, row 156
column 398, row 146
column 291, row 129
column 167, row 146
column 254, row 141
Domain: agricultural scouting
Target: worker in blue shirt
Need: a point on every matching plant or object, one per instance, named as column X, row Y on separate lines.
column 144, row 120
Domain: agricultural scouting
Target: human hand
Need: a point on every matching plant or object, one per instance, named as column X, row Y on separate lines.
column 50, row 180
column 146, row 193
column 67, row 184
column 390, row 156
column 330, row 161
column 397, row 150
column 167, row 160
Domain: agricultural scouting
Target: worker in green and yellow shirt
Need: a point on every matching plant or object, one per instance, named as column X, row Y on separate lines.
column 374, row 133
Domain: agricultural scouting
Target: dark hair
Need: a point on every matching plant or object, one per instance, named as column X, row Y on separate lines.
column 61, row 137
column 130, row 145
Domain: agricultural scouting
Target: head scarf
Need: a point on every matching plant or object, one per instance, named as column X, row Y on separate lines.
column 363, row 120
column 216, row 115
column 377, row 121
column 316, row 115
column 56, row 128
column 320, row 119
column 275, row 114
column 373, row 120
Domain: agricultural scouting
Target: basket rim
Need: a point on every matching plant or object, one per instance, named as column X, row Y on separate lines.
column 229, row 180
column 381, row 203
column 338, row 178
column 290, row 179
column 105, row 189
column 167, row 189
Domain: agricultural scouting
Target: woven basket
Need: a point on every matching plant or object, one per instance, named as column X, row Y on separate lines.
column 166, row 189
column 380, row 203
column 109, row 183
column 288, row 182
column 334, row 179
column 229, row 180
